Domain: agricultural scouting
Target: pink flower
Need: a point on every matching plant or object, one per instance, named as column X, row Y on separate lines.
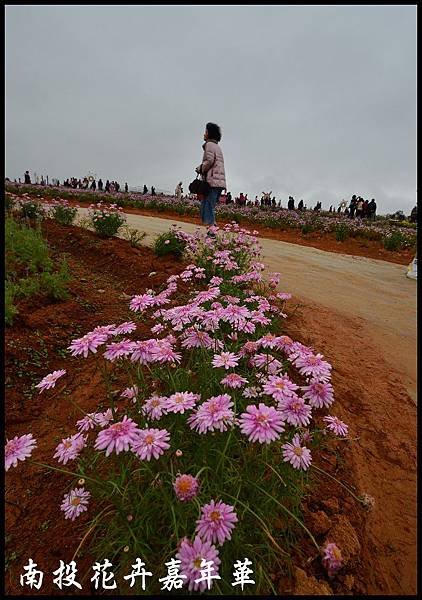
column 337, row 426
column 130, row 393
column 155, row 407
column 90, row 421
column 268, row 341
column 332, row 558
column 141, row 302
column 181, row 402
column 249, row 348
column 151, row 443
column 49, row 380
column 295, row 411
column 213, row 414
column 69, row 448
column 143, row 351
column 88, row 342
column 233, row 380
column 313, row 366
column 186, row 487
column 191, row 556
column 216, row 522
column 280, row 387
column 226, row 360
column 251, row 392
column 319, row 394
column 197, row 339
column 19, row 448
column 118, row 349
column 165, row 353
column 298, row 456
column 126, row 327
column 118, row 437
column 261, row 423
column 75, row 502
column 105, row 417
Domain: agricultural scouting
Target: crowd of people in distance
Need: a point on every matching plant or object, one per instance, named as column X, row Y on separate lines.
column 357, row 208
column 86, row 183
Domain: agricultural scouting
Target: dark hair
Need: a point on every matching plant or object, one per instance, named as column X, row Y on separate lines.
column 214, row 131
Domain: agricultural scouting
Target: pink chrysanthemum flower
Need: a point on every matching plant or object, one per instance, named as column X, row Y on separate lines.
column 155, row 407
column 49, row 380
column 295, row 411
column 186, row 487
column 214, row 414
column 130, row 393
column 266, row 362
column 233, row 380
column 280, row 387
column 313, row 366
column 19, row 448
column 319, row 394
column 75, row 502
column 226, row 360
column 118, row 349
column 126, row 327
column 216, row 522
column 143, row 351
column 107, row 330
column 261, row 423
column 268, row 341
column 165, row 353
column 151, row 443
column 118, row 437
column 332, row 558
column 70, row 448
column 181, row 402
column 157, row 328
column 337, row 426
column 191, row 555
column 105, row 417
column 197, row 339
column 90, row 421
column 142, row 301
column 251, row 392
column 89, row 342
column 296, row 454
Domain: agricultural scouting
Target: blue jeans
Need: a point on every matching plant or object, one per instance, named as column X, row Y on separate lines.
column 208, row 205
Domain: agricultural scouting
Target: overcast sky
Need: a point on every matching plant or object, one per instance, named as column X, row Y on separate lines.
column 318, row 102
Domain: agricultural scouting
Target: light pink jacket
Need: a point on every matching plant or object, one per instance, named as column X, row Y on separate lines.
column 213, row 164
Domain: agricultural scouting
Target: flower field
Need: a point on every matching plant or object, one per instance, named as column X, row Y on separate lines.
column 176, row 421
column 383, row 233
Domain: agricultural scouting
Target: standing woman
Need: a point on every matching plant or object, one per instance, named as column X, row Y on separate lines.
column 212, row 171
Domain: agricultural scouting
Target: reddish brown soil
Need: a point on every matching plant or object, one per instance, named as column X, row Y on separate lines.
column 381, row 462
column 372, row 399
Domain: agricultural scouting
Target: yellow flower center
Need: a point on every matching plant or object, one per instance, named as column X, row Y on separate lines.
column 155, row 403
column 280, row 385
column 67, row 444
column 185, row 485
column 75, row 501
column 215, row 515
column 149, row 439
column 262, row 418
column 337, row 553
column 197, row 562
column 298, row 451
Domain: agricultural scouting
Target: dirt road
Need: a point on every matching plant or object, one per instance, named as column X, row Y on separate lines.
column 361, row 314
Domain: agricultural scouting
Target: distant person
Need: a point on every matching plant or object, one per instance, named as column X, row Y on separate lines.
column 100, row 185
column 178, row 191
column 365, row 212
column 331, row 208
column 112, row 187
column 359, row 208
column 229, row 198
column 291, row 203
column 126, row 188
column 372, row 209
column 352, row 207
column 27, row 177
column 145, row 190
column 300, row 205
column 273, row 202
column 153, row 191
column 414, row 215
column 107, row 186
column 212, row 171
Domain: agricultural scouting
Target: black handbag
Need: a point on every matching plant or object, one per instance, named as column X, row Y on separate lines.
column 199, row 186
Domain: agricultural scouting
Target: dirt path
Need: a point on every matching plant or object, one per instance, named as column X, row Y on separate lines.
column 361, row 314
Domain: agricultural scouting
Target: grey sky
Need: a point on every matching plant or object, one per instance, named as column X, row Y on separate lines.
column 314, row 101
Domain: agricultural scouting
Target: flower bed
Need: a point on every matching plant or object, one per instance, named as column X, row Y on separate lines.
column 215, row 429
column 276, row 218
